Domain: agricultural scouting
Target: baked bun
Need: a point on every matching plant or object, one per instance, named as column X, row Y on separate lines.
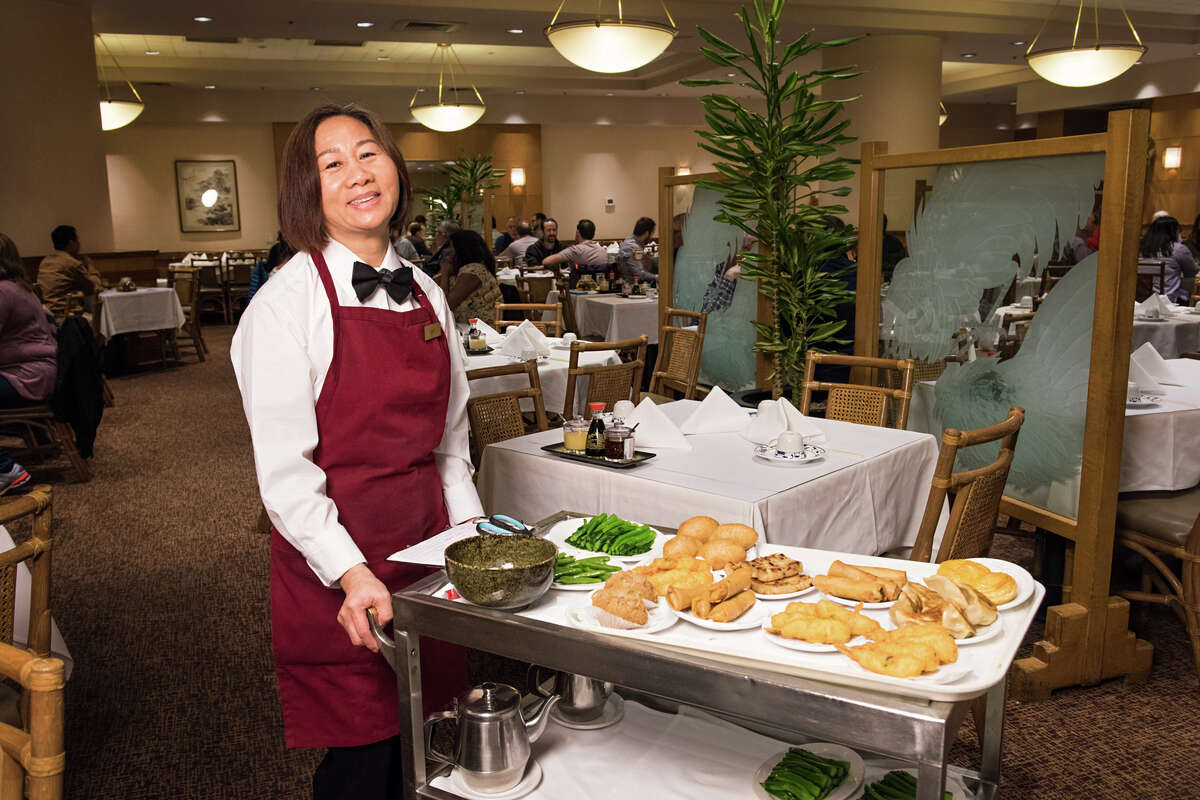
column 997, row 587
column 682, row 547
column 699, row 528
column 743, row 535
column 722, row 552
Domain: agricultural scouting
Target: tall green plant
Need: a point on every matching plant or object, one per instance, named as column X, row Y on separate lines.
column 773, row 164
column 467, row 179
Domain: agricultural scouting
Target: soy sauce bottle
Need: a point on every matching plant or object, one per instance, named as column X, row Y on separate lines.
column 595, row 436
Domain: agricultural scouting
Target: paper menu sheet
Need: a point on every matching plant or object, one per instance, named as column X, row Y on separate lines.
column 430, row 552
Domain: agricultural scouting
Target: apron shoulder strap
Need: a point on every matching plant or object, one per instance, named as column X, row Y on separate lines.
column 327, row 282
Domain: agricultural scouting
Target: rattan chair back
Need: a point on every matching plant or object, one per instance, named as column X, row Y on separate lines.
column 32, row 754
column 34, row 552
column 568, row 305
column 860, row 403
column 976, row 493
column 497, row 417
column 535, row 313
column 607, row 383
column 679, row 349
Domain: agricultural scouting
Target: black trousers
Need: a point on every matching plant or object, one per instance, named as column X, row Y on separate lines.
column 367, row 772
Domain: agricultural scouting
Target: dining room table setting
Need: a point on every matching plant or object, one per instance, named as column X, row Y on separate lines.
column 614, row 315
column 129, row 309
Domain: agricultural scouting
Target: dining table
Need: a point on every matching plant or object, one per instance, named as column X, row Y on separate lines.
column 1172, row 335
column 155, row 308
column 865, row 495
column 614, row 318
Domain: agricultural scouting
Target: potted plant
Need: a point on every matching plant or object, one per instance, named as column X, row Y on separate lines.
column 467, row 179
column 776, row 164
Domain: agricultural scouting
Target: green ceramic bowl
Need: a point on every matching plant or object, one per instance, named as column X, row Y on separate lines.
column 505, row 572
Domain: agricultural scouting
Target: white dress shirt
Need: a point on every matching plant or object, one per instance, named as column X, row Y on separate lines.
column 281, row 352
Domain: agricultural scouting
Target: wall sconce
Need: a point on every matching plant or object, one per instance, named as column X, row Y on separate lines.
column 1172, row 156
column 683, row 171
column 517, row 176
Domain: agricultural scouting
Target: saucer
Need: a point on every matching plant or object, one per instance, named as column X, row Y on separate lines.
column 532, row 779
column 614, row 712
column 1142, row 401
column 810, row 452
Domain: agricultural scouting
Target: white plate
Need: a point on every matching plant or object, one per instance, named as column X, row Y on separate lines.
column 810, row 453
column 661, row 618
column 1024, row 580
column 1141, row 318
column 802, row 645
column 1143, row 401
column 614, row 711
column 533, row 777
column 852, row 603
column 785, row 595
column 559, row 533
column 983, row 634
column 843, row 791
column 753, row 618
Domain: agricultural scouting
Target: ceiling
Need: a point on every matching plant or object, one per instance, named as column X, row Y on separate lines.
column 316, row 44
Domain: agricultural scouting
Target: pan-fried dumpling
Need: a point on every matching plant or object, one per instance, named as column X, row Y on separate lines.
column 919, row 604
column 975, row 607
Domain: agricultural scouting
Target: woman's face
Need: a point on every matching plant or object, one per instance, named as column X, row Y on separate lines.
column 360, row 185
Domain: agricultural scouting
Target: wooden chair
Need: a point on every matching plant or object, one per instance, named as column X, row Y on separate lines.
column 536, row 287
column 187, row 285
column 32, row 755
column 1164, row 528
column 679, row 348
column 1151, row 277
column 1194, row 295
column 975, row 493
column 607, row 382
column 211, row 294
column 56, row 436
column 570, row 322
column 860, row 403
column 1050, row 276
column 534, row 312
column 237, row 289
column 496, row 417
column 37, row 505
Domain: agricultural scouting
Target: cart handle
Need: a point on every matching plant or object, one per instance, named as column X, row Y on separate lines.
column 387, row 645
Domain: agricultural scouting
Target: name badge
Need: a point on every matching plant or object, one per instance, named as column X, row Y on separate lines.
column 432, row 331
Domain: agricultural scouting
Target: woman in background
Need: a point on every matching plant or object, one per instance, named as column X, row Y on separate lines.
column 28, row 351
column 468, row 277
column 1162, row 240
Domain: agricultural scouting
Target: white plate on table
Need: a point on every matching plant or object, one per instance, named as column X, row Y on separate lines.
column 532, row 779
column 843, row 791
column 802, row 644
column 1142, row 318
column 810, row 453
column 562, row 530
column 786, row 595
column 577, row 587
column 1143, row 401
column 983, row 634
column 753, row 618
column 852, row 603
column 1024, row 580
column 661, row 618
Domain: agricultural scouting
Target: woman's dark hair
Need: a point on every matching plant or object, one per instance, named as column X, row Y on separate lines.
column 300, row 216
column 469, row 248
column 12, row 268
column 279, row 253
column 1160, row 238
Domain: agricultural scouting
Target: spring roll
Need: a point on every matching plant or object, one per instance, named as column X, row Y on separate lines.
column 681, row 598
column 736, row 581
column 701, row 607
column 887, row 574
column 864, row 591
column 840, row 569
column 890, row 584
column 733, row 608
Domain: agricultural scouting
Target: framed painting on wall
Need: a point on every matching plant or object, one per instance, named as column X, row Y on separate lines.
column 208, row 197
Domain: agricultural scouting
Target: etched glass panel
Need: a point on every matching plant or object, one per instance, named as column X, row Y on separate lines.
column 977, row 247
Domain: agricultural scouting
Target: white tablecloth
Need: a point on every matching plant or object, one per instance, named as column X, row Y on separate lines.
column 614, row 318
column 58, row 648
column 1161, row 444
column 552, row 373
column 1172, row 337
column 866, row 496
column 151, row 309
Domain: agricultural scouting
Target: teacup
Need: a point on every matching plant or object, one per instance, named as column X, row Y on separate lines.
column 623, row 409
column 1025, row 302
column 1132, row 392
column 567, row 338
column 1150, row 312
column 790, row 442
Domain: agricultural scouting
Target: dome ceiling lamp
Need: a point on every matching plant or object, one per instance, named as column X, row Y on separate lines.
column 611, row 45
column 448, row 114
column 117, row 113
column 1085, row 65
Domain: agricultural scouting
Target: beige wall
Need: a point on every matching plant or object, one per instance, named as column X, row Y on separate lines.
column 1175, row 122
column 51, row 147
column 141, row 176
column 582, row 165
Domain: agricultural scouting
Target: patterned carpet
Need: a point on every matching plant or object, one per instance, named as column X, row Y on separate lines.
column 160, row 587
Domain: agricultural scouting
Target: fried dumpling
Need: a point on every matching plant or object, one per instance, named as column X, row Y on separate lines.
column 975, row 606
column 920, row 604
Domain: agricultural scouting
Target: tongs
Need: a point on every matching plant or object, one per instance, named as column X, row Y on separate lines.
column 503, row 525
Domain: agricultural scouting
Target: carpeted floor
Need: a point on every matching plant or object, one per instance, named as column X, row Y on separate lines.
column 160, row 587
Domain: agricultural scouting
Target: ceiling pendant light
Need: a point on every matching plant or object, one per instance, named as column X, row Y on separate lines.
column 1085, row 65
column 605, row 44
column 117, row 113
column 943, row 114
column 447, row 114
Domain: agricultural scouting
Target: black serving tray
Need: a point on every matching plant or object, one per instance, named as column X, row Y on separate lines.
column 560, row 450
column 479, row 352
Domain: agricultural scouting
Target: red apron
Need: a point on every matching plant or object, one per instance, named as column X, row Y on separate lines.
column 381, row 412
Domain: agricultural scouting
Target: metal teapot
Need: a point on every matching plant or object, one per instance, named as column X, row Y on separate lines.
column 491, row 749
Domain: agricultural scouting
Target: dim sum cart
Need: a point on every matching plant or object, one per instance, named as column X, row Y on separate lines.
column 908, row 728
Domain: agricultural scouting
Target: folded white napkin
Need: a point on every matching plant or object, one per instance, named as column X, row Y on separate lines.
column 1155, row 302
column 517, row 344
column 536, row 337
column 1144, row 380
column 716, row 414
column 654, row 429
column 776, row 416
column 1154, row 364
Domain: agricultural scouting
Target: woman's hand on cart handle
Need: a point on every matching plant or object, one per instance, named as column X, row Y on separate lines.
column 363, row 590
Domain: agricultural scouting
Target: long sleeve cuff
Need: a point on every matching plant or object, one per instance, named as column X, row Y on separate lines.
column 335, row 558
column 462, row 501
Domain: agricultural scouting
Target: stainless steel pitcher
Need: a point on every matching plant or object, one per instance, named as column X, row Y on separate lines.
column 582, row 698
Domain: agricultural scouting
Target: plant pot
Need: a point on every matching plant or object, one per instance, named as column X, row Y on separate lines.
column 750, row 398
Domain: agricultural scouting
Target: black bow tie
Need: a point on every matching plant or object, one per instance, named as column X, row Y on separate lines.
column 366, row 279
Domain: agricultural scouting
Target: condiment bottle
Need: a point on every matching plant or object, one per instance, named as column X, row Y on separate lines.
column 475, row 338
column 595, row 437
